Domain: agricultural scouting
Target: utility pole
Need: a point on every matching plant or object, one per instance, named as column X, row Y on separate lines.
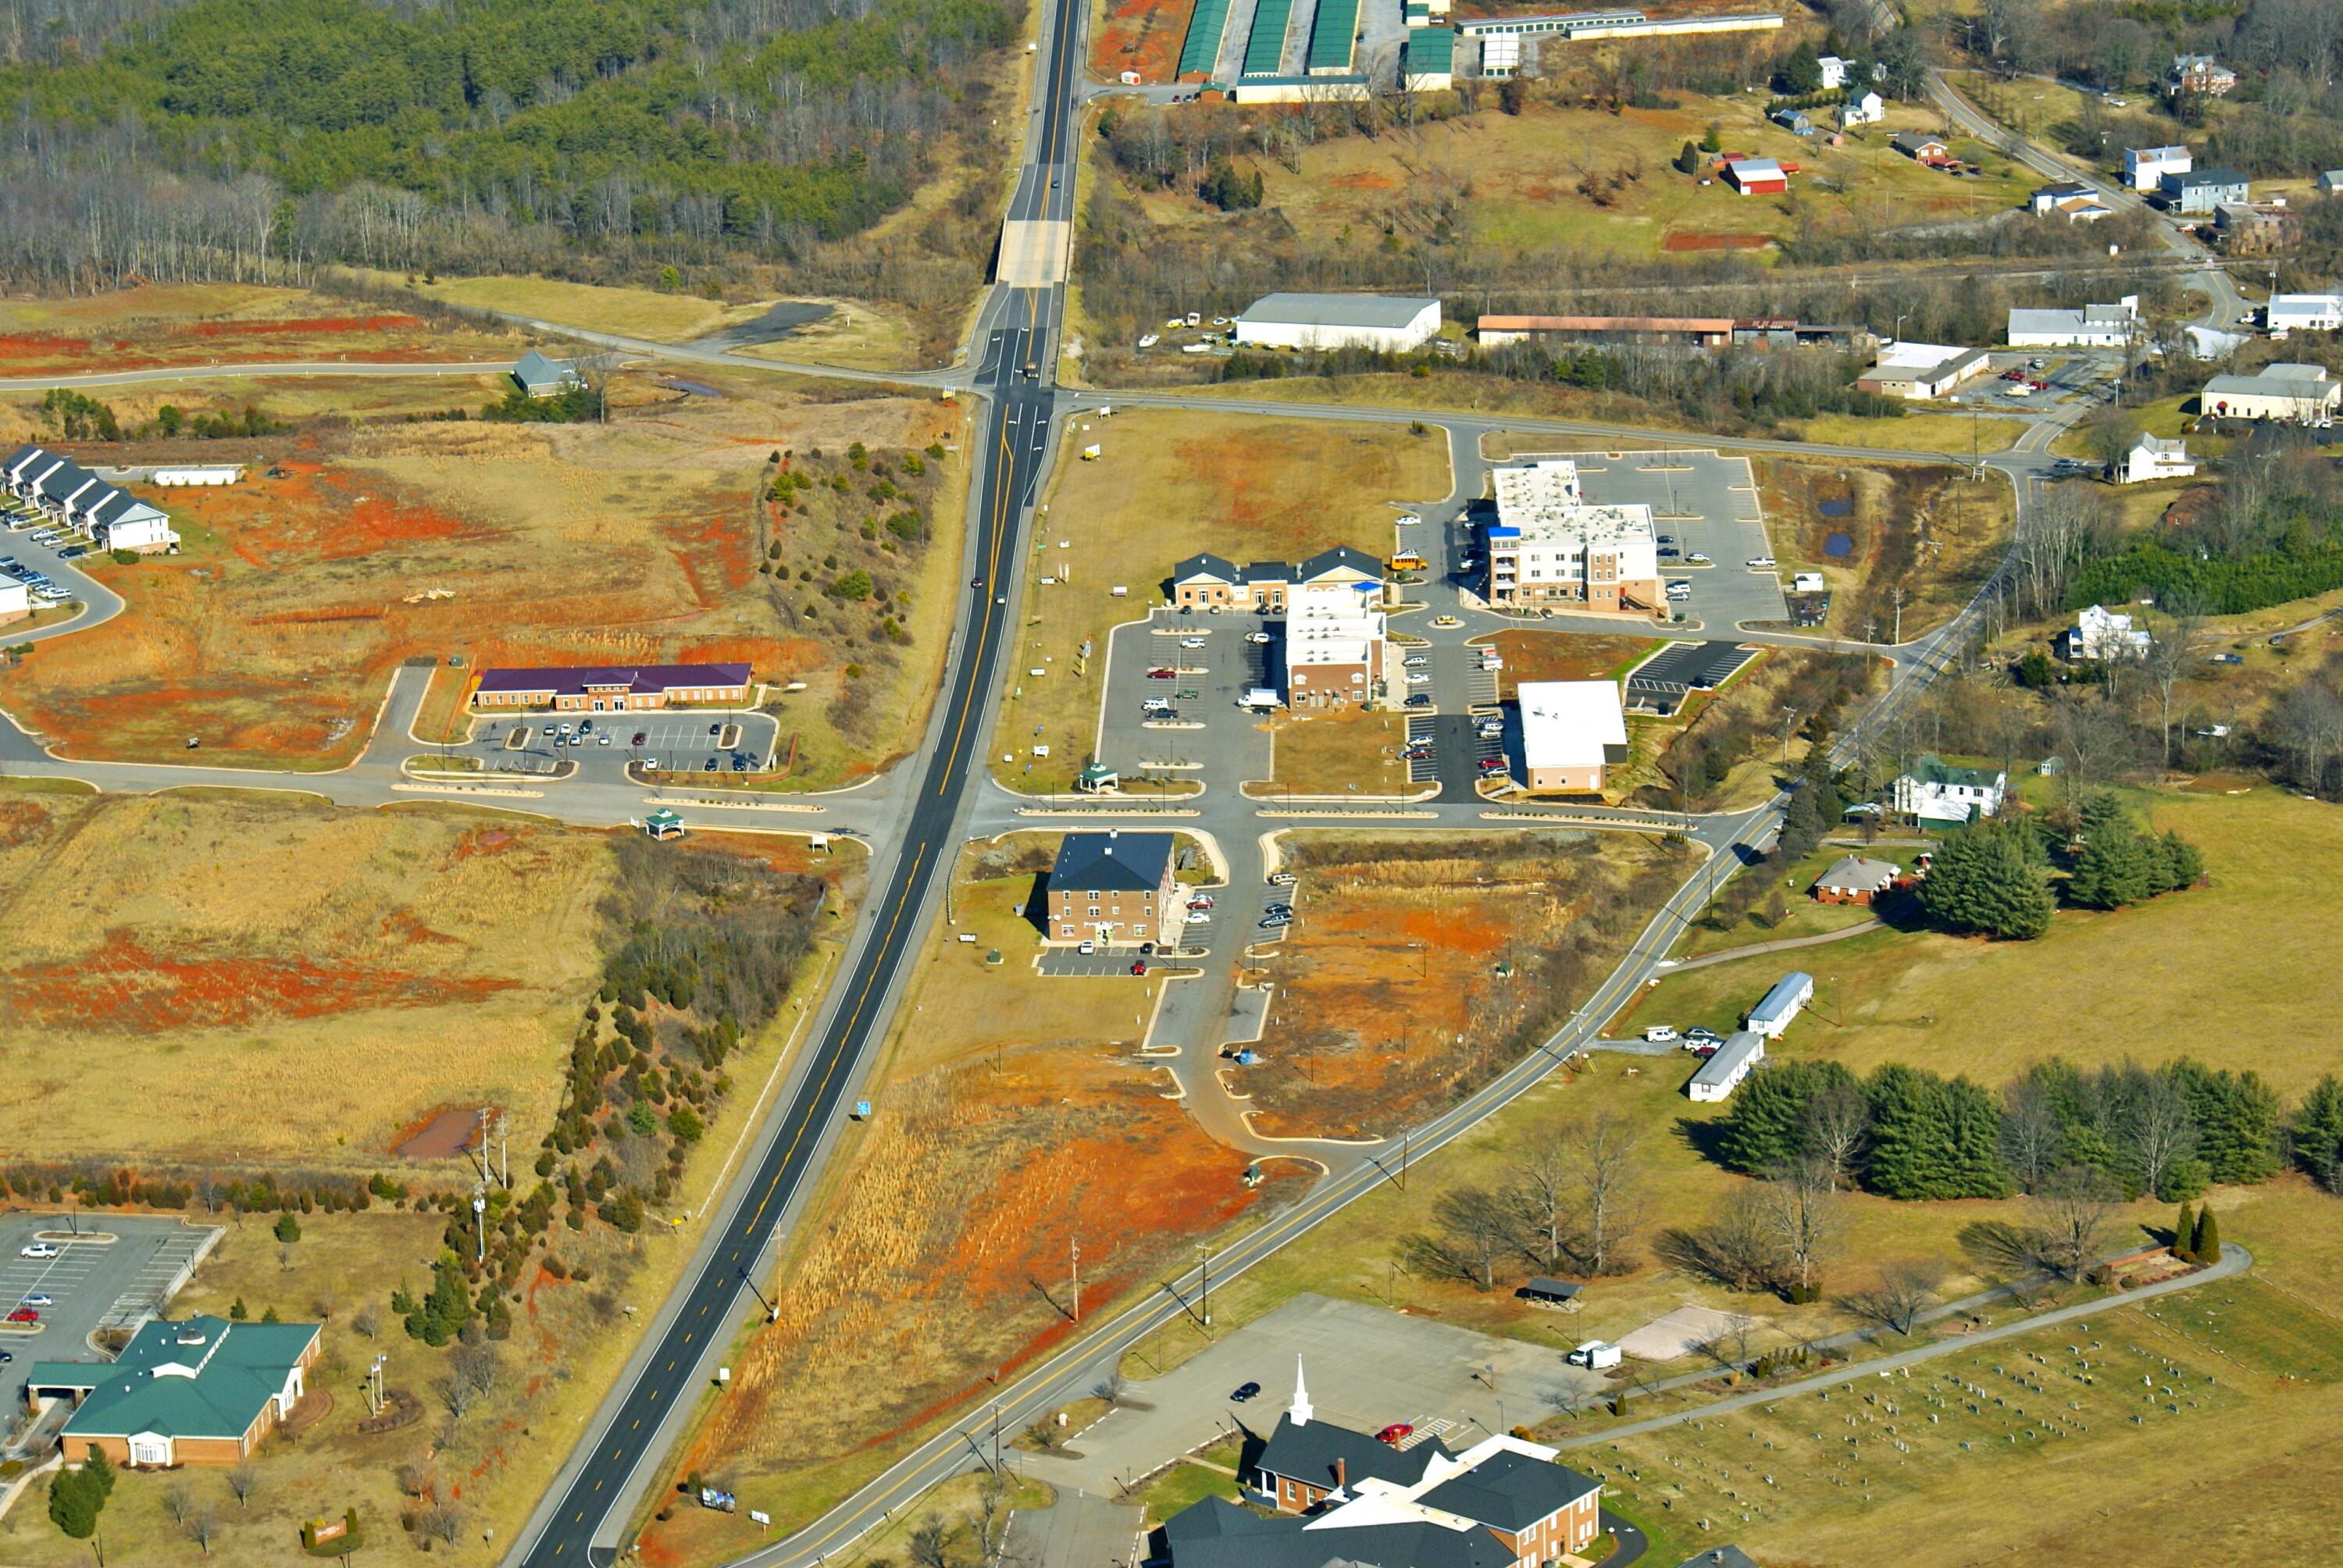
column 1900, row 615
column 1074, row 1244
column 1204, row 1255
column 480, row 1222
column 504, row 1149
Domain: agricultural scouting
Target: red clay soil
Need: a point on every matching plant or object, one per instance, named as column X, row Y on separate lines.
column 122, row 985
column 442, row 1134
column 1143, row 35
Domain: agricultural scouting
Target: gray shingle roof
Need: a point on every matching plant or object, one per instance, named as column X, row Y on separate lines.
column 1216, row 1534
column 1205, row 565
column 1511, row 1491
column 1308, row 1453
column 1126, row 863
column 1338, row 557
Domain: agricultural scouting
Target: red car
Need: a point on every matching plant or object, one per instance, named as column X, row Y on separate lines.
column 23, row 1315
column 1395, row 1432
column 1162, row 674
column 1138, row 966
column 1492, row 765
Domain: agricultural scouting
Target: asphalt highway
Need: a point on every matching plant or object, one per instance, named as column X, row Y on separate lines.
column 587, row 1515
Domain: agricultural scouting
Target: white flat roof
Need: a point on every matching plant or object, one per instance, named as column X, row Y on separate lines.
column 1917, row 356
column 1567, row 723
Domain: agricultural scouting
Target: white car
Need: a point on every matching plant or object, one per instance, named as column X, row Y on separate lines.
column 1149, row 340
column 1696, row 559
column 1407, row 520
column 1415, row 661
column 1087, row 949
column 40, row 1250
column 1417, row 678
column 38, row 1299
column 1191, row 642
column 1281, row 879
column 1661, row 1034
column 1256, row 636
column 1759, row 563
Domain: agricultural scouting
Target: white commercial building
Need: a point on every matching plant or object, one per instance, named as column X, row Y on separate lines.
column 2144, row 167
column 1571, row 731
column 2100, row 632
column 218, row 474
column 1920, row 371
column 2295, row 394
column 15, row 599
column 2155, row 459
column 2303, row 313
column 1335, row 644
column 2092, row 327
column 1549, row 547
column 1392, row 326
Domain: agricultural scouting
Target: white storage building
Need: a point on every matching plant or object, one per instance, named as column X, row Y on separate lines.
column 1788, row 998
column 1571, row 731
column 1722, row 1073
column 1920, row 371
column 2297, row 394
column 2303, row 313
column 1381, row 322
column 2092, row 327
column 210, row 474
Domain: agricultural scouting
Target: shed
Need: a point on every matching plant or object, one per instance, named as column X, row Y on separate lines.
column 1791, row 993
column 1756, row 176
column 1544, row 1291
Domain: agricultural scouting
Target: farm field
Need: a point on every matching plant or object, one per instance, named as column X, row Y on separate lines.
column 1587, row 180
column 1011, row 1115
column 1419, row 966
column 1961, row 1006
column 352, row 545
column 1168, row 483
column 198, row 324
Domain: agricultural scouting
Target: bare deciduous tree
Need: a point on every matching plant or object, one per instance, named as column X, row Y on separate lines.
column 1542, row 1193
column 1602, row 1169
column 1905, row 1291
column 368, row 1319
column 2030, row 1133
column 1803, row 1206
column 1475, row 1231
column 2172, row 656
column 178, row 1502
column 201, row 1524
column 2159, row 1128
column 243, row 1480
column 442, row 1522
column 1737, row 1248
column 1838, row 1120
column 2071, row 1208
column 931, row 1545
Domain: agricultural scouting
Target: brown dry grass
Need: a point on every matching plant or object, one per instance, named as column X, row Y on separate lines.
column 1413, row 963
column 200, row 324
column 1340, row 751
column 349, row 970
column 1009, row 1118
column 272, row 635
column 1168, row 483
column 1936, row 532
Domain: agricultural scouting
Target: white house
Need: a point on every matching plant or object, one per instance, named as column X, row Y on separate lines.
column 210, row 474
column 16, row 601
column 1866, row 110
column 2303, row 313
column 2154, row 458
column 143, row 528
column 2102, row 633
column 2092, row 327
column 2296, row 393
column 1571, row 731
column 1722, row 1073
column 2144, row 167
column 1834, row 71
column 2330, row 182
column 1935, row 791
column 1391, row 325
column 2070, row 199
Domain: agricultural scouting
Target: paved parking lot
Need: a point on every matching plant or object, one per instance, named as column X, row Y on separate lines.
column 93, row 1283
column 1661, row 682
column 1209, row 732
column 1366, row 1366
column 678, row 740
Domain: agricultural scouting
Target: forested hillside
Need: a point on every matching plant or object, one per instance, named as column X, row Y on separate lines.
column 198, row 139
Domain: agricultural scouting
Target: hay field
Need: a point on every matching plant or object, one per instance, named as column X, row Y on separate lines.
column 1415, row 966
column 212, row 323
column 266, row 978
column 1011, row 1116
column 1168, row 483
column 1514, row 182
column 272, row 635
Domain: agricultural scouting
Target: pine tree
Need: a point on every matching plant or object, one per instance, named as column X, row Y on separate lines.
column 1713, row 139
column 2184, row 866
column 2319, row 1133
column 2184, row 1230
column 1931, row 1137
column 1688, row 160
column 2207, row 1248
column 1766, row 1127
column 1988, row 881
column 97, row 1474
column 2117, row 868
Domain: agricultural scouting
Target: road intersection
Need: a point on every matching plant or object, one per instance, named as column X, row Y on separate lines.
column 916, row 817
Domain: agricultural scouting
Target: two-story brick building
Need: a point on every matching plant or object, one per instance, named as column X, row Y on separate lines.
column 1112, row 886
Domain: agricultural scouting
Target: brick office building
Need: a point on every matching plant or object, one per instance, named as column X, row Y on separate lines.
column 202, row 1392
column 1112, row 886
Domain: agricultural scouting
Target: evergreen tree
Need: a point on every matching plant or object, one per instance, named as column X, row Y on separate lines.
column 1713, row 139
column 442, row 1315
column 1802, row 73
column 2319, row 1133
column 2184, row 1230
column 97, row 1473
column 2183, row 865
column 2207, row 1248
column 1766, row 1127
column 2239, row 1123
column 1932, row 1137
column 288, row 1228
column 2115, row 868
column 1989, row 881
column 1688, row 160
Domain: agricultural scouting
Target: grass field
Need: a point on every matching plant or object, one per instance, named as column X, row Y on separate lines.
column 1167, row 484
column 2200, row 973
column 1011, row 1116
column 1346, row 751
column 1587, row 180
column 1142, row 36
column 1933, row 531
column 1413, row 963
column 213, row 323
column 222, row 951
column 274, row 633
column 1954, row 435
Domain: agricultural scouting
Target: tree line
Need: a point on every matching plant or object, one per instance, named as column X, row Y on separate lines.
column 1996, row 879
column 258, row 138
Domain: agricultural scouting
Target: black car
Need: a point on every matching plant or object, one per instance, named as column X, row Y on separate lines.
column 709, row 765
column 1245, row 1392
column 71, row 551
column 1419, row 699
column 641, row 736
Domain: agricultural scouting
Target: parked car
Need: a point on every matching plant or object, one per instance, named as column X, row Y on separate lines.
column 1661, row 1034
column 1416, row 754
column 1087, row 949
column 23, row 1315
column 1256, row 636
column 38, row 1299
column 1669, row 552
column 72, row 552
column 39, row 1250
column 642, row 737
column 1191, row 642
column 1696, row 558
column 1415, row 661
column 1275, row 922
column 1407, row 520
column 1138, row 966
column 1395, row 1431
column 716, row 730
column 1245, row 1390
column 1419, row 699
column 1759, row 563
column 651, row 764
column 1703, row 1036
column 1492, row 765
column 1418, row 677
